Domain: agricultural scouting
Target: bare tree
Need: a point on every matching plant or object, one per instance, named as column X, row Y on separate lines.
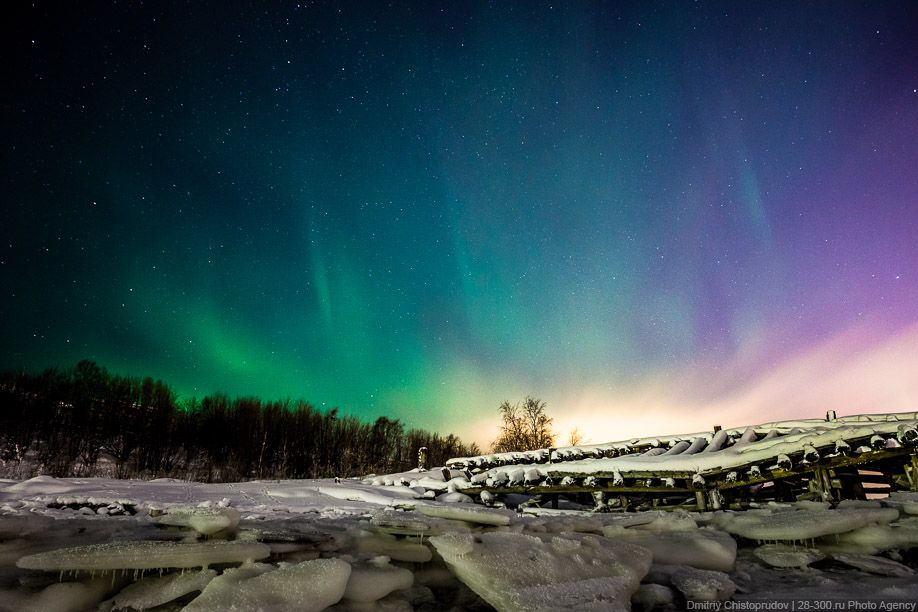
column 575, row 437
column 526, row 426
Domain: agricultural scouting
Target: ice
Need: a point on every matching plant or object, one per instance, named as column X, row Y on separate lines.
column 408, row 550
column 471, row 514
column 653, row 596
column 802, row 524
column 206, row 521
column 143, row 555
column 305, row 587
column 455, row 498
column 152, row 592
column 513, row 571
column 875, row 565
column 395, row 522
column 905, row 501
column 782, row 555
column 702, row 548
column 667, row 521
column 59, row 597
column 374, row 579
column 703, row 585
column 875, row 538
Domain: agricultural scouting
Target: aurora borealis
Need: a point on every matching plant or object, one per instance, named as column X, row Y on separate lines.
column 654, row 216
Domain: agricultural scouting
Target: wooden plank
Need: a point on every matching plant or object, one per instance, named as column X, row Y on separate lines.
column 473, row 491
column 802, row 470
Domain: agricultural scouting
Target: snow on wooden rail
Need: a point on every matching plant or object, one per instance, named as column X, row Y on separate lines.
column 718, row 460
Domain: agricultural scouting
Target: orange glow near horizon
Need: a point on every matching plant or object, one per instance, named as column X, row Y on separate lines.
column 849, row 373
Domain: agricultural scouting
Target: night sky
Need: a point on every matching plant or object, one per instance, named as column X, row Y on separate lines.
column 656, row 217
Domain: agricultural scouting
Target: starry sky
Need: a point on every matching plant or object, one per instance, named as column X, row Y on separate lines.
column 655, row 216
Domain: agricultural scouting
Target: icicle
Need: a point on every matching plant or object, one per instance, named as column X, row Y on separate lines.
column 60, row 577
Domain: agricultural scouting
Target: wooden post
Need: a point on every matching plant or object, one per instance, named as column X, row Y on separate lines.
column 699, row 499
column 823, row 484
column 913, row 475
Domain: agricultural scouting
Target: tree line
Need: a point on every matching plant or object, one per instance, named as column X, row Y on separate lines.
column 86, row 421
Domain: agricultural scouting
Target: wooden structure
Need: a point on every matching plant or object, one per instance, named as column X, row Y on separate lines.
column 854, row 457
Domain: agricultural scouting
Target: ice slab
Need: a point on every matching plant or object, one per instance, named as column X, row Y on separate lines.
column 61, row 597
column 875, row 538
column 395, row 522
column 152, row 592
column 372, row 580
column 802, row 524
column 875, row 565
column 653, row 596
column 702, row 548
column 513, row 571
column 144, row 555
column 206, row 521
column 782, row 555
column 410, row 550
column 703, row 585
column 309, row 586
column 905, row 501
column 469, row 514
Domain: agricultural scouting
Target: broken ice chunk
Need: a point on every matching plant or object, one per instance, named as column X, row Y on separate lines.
column 513, row 571
column 309, row 586
column 782, row 555
column 467, row 514
column 703, row 585
column 876, row 565
column 206, row 521
column 701, row 548
column 373, row 580
column 152, row 592
column 803, row 524
column 144, row 555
